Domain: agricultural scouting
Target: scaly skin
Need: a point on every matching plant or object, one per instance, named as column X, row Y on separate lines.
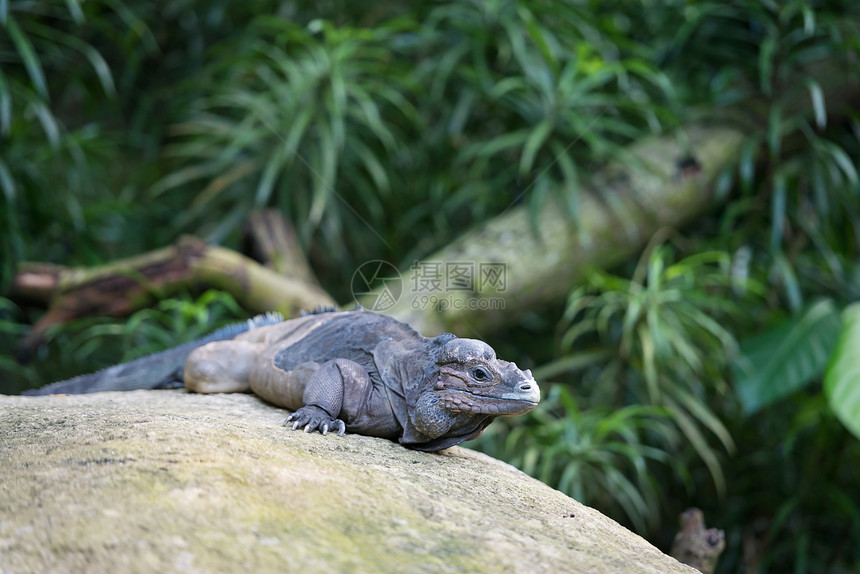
column 157, row 371
column 353, row 371
column 369, row 374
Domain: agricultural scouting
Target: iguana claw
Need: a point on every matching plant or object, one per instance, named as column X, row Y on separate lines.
column 310, row 418
column 337, row 423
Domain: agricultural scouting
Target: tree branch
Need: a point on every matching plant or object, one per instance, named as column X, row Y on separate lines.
column 545, row 254
column 120, row 287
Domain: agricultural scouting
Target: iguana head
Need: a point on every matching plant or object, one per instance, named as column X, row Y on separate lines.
column 472, row 380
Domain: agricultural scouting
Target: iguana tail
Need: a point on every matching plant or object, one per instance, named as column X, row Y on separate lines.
column 157, row 371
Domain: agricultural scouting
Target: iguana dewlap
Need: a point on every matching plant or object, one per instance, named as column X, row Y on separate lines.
column 351, row 371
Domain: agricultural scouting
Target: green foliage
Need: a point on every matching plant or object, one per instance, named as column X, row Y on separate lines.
column 300, row 110
column 772, row 368
column 842, row 380
column 647, row 352
column 169, row 323
column 10, row 331
column 103, row 341
column 556, row 83
column 338, row 125
column 385, row 130
column 37, row 150
column 661, row 331
column 597, row 454
column 772, row 62
column 786, row 357
column 798, row 478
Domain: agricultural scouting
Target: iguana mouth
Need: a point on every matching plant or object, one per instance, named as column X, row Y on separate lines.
column 463, row 401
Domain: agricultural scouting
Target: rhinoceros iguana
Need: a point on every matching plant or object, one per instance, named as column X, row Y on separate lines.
column 353, row 371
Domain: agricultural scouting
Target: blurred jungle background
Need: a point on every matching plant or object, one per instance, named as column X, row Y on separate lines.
column 712, row 361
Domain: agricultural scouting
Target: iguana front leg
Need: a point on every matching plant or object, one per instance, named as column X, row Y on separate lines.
column 323, row 396
column 339, row 394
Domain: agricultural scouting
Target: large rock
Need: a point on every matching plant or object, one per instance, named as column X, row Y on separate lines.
column 166, row 481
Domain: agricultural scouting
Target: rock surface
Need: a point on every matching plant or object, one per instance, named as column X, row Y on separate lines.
column 167, row 481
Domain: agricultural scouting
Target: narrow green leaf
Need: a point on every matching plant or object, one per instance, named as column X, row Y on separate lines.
column 497, row 144
column 765, row 62
column 573, row 362
column 777, row 214
column 101, row 68
column 699, row 443
column 535, row 140
column 808, row 20
column 570, row 189
column 842, row 379
column 95, row 58
column 649, row 364
column 7, row 182
column 785, row 272
column 704, row 415
column 723, row 184
column 746, row 166
column 462, row 110
column 372, row 165
column 74, row 7
column 539, row 36
column 273, row 169
column 818, row 107
column 49, row 123
column 182, row 176
column 28, row 56
column 774, row 132
column 842, row 160
column 5, row 106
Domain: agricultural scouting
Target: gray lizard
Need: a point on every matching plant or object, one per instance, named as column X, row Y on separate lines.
column 353, row 371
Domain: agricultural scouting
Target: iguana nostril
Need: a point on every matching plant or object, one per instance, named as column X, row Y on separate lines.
column 525, row 387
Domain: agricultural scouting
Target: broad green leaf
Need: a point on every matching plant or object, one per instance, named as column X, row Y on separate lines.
column 842, row 380
column 786, row 357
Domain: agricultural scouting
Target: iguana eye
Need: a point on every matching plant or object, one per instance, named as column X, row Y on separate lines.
column 480, row 374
